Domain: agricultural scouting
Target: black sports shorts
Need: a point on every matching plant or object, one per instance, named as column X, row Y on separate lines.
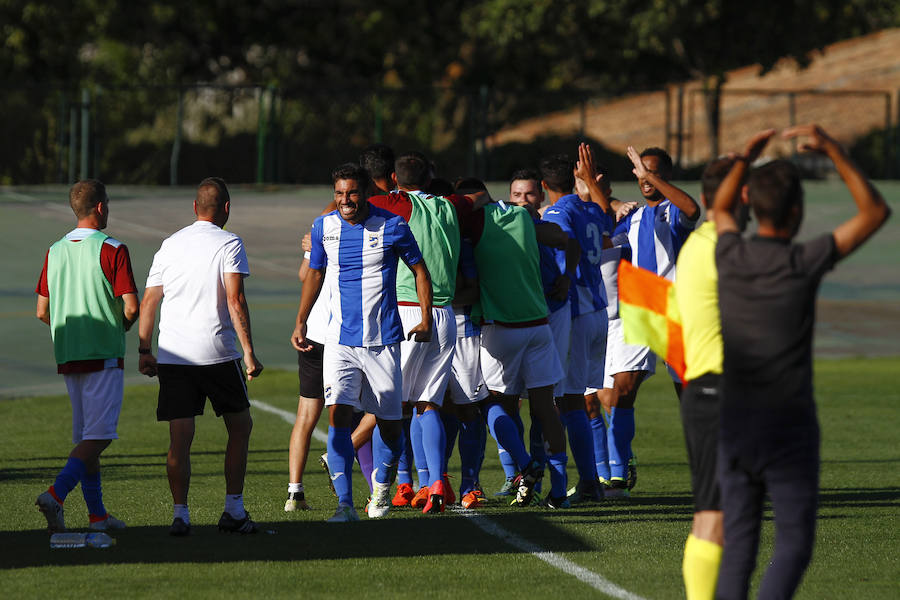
column 309, row 371
column 700, row 401
column 183, row 390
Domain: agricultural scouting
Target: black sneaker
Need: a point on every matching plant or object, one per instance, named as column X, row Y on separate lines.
column 556, row 503
column 526, row 481
column 232, row 525
column 179, row 528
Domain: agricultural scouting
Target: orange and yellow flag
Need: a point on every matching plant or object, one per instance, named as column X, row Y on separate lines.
column 649, row 314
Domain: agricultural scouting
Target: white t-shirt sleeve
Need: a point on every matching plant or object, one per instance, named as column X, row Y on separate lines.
column 236, row 257
column 154, row 278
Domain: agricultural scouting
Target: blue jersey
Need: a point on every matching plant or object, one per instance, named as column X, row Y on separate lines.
column 550, row 271
column 587, row 293
column 362, row 272
column 655, row 235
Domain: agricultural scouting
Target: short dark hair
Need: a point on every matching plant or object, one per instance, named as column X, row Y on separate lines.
column 353, row 172
column 774, row 190
column 527, row 175
column 85, row 195
column 440, row 187
column 413, row 170
column 212, row 194
column 558, row 172
column 468, row 185
column 378, row 160
column 712, row 178
column 665, row 161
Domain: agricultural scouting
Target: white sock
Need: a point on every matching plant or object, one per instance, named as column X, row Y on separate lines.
column 295, row 488
column 181, row 512
column 234, row 506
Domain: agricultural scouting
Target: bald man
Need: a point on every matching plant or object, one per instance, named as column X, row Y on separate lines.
column 200, row 271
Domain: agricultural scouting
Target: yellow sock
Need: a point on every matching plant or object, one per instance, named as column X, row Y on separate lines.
column 701, row 568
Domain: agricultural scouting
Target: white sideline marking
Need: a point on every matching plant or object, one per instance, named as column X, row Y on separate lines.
column 551, row 558
column 288, row 416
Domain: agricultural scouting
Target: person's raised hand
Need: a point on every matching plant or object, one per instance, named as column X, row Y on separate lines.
column 818, row 140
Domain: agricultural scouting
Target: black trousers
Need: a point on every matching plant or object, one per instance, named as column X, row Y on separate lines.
column 784, row 464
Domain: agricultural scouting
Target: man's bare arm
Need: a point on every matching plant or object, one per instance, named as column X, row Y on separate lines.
column 586, row 171
column 43, row 309
column 425, row 293
column 240, row 318
column 146, row 361
column 675, row 195
column 550, row 234
column 130, row 310
column 872, row 211
column 312, row 285
column 729, row 190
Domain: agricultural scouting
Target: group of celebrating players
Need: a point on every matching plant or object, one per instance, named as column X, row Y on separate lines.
column 497, row 301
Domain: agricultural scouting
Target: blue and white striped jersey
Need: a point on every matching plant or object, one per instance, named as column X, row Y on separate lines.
column 587, row 293
column 362, row 274
column 655, row 235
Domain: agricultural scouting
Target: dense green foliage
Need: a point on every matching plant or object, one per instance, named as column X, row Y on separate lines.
column 433, row 75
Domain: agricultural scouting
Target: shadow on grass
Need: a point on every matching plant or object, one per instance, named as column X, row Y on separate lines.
column 291, row 541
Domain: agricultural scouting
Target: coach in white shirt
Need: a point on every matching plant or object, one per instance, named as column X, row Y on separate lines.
column 200, row 272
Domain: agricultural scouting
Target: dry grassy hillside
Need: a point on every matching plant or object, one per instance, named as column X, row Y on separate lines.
column 870, row 63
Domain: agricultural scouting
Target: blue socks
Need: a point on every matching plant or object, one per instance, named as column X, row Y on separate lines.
column 451, row 429
column 620, row 434
column 418, row 451
column 471, row 434
column 601, row 453
column 404, row 463
column 581, row 443
column 558, row 481
column 386, row 454
column 434, row 443
column 69, row 477
column 340, row 462
column 93, row 494
column 508, row 435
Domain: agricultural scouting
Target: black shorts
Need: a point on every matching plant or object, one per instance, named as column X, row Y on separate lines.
column 700, row 403
column 183, row 390
column 309, row 371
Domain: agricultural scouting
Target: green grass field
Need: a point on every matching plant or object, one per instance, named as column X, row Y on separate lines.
column 634, row 544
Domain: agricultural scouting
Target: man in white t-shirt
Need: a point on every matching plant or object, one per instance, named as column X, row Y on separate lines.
column 200, row 272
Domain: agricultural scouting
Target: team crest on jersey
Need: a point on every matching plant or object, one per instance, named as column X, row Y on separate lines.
column 373, row 240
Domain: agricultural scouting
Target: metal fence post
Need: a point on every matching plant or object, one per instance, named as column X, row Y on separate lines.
column 61, row 138
column 176, row 145
column 73, row 142
column 261, row 136
column 85, row 131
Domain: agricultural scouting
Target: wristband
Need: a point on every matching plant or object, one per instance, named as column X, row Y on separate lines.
column 145, row 350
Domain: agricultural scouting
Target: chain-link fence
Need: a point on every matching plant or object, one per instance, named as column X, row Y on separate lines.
column 161, row 135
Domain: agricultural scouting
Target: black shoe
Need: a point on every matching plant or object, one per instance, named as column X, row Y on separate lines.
column 232, row 525
column 556, row 503
column 526, row 481
column 179, row 528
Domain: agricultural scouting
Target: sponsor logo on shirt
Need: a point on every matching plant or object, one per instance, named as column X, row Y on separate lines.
column 331, row 238
column 327, row 392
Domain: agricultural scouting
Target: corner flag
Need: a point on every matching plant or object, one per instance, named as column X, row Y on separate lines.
column 650, row 314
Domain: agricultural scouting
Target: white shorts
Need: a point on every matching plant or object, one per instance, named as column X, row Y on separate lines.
column 367, row 379
column 426, row 365
column 96, row 403
column 561, row 328
column 622, row 357
column 587, row 352
column 513, row 359
column 466, row 383
column 631, row 358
